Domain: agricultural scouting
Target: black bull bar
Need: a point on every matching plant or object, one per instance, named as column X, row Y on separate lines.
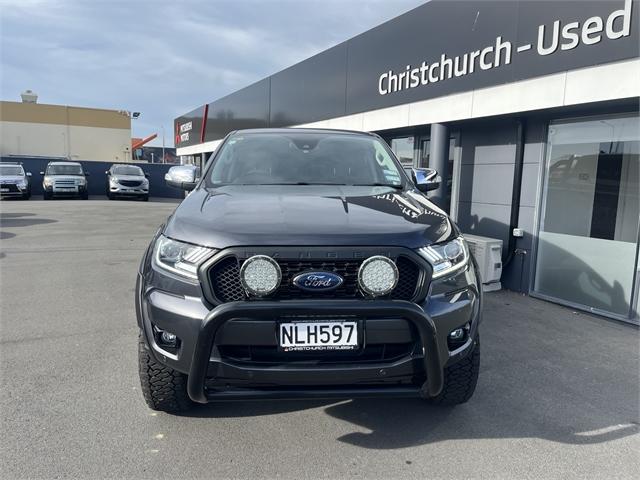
column 270, row 310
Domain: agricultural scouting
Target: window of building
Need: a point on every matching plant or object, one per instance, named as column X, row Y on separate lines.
column 423, row 162
column 588, row 238
column 403, row 148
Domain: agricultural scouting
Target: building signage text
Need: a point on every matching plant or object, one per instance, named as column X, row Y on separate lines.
column 550, row 40
column 184, row 130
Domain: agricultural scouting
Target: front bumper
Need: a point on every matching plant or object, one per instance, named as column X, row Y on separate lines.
column 212, row 376
column 12, row 190
column 71, row 191
column 133, row 191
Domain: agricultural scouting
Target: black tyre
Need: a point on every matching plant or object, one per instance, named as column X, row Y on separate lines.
column 47, row 196
column 460, row 379
column 145, row 198
column 84, row 196
column 26, row 196
column 163, row 388
column 110, row 195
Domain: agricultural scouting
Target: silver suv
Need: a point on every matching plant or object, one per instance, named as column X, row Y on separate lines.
column 14, row 181
column 127, row 181
column 64, row 179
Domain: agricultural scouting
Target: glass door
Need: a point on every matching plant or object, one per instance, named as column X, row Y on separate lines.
column 587, row 248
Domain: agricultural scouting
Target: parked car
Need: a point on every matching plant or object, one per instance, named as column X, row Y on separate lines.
column 65, row 179
column 306, row 264
column 127, row 181
column 14, row 181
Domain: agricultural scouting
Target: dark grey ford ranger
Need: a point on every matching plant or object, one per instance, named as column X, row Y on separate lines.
column 306, row 264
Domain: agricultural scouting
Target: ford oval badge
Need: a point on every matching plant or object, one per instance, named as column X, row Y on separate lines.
column 317, row 281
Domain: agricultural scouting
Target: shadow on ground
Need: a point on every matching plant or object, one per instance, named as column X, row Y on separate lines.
column 9, row 220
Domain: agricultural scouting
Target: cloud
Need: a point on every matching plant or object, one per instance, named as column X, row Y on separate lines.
column 164, row 58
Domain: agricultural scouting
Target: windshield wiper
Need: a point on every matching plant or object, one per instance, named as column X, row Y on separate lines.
column 378, row 184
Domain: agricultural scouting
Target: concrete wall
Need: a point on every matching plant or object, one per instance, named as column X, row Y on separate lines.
column 488, row 156
column 70, row 141
column 486, row 178
column 77, row 133
column 97, row 178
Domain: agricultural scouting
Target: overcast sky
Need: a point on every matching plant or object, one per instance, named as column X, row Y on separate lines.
column 164, row 58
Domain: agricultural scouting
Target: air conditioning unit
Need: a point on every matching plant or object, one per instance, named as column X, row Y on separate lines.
column 488, row 255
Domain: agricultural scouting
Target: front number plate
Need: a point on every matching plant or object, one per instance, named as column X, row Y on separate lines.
column 308, row 336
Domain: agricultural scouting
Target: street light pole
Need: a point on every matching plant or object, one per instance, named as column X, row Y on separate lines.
column 162, row 143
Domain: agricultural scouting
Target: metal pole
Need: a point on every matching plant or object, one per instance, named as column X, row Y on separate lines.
column 162, row 143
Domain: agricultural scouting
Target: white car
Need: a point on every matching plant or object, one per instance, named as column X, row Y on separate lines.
column 125, row 180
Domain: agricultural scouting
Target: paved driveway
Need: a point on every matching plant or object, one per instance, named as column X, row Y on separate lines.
column 558, row 392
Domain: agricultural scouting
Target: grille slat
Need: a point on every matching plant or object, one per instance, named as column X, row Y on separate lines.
column 12, row 187
column 130, row 183
column 225, row 279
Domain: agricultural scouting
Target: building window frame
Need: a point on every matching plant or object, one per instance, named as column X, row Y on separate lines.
column 633, row 315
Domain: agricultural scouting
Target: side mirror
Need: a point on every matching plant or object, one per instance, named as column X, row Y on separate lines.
column 86, row 174
column 107, row 172
column 28, row 174
column 425, row 179
column 146, row 174
column 41, row 173
column 182, row 176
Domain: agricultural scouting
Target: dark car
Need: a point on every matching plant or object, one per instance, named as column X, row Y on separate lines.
column 306, row 264
column 14, row 181
column 127, row 181
column 65, row 179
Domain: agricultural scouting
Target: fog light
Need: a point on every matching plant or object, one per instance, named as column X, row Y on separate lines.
column 457, row 334
column 168, row 338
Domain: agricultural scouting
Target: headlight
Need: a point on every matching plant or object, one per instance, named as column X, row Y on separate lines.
column 180, row 258
column 113, row 180
column 47, row 181
column 260, row 275
column 378, row 275
column 145, row 182
column 22, row 184
column 446, row 258
column 81, row 181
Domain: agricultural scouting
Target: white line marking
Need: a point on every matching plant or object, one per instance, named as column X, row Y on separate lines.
column 604, row 430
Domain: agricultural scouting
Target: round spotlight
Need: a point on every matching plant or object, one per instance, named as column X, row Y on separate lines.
column 378, row 275
column 260, row 275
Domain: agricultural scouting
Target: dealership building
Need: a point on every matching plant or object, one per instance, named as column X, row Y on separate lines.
column 529, row 110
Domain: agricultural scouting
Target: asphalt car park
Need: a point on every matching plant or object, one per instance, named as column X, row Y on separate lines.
column 557, row 397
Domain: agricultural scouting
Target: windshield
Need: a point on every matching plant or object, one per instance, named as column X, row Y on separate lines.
column 127, row 170
column 64, row 170
column 6, row 170
column 293, row 158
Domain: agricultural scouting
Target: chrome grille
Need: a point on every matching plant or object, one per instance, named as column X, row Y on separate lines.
column 64, row 183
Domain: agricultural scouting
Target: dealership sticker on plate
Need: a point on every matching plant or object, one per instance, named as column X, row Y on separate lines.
column 320, row 335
